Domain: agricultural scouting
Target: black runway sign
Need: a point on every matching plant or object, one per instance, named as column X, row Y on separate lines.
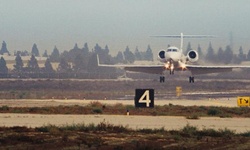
column 144, row 98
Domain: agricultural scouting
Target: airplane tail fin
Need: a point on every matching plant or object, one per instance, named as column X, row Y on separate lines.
column 182, row 36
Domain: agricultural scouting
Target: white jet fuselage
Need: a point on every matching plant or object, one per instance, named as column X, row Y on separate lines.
column 172, row 58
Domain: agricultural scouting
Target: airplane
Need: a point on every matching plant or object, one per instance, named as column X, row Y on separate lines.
column 173, row 59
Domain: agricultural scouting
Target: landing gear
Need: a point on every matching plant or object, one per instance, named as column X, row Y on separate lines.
column 171, row 72
column 191, row 79
column 171, row 68
column 162, row 79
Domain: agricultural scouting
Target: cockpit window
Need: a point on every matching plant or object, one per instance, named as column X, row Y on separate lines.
column 172, row 50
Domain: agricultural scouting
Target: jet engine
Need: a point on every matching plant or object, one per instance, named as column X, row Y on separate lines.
column 161, row 55
column 192, row 56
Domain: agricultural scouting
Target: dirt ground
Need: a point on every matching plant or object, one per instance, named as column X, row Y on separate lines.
column 239, row 125
column 224, row 102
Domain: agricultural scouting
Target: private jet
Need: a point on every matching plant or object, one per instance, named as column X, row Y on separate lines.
column 173, row 59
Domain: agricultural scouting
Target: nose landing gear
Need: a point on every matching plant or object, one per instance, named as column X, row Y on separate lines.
column 171, row 72
column 170, row 66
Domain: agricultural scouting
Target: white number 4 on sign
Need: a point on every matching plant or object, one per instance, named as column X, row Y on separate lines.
column 145, row 98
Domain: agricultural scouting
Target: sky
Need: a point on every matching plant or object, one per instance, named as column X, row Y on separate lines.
column 121, row 23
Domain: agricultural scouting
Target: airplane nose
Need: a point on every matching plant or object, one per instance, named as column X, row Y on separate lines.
column 174, row 57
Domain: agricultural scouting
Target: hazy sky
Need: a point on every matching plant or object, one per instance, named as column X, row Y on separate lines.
column 118, row 23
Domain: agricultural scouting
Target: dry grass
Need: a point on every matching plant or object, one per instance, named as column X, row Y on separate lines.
column 108, row 136
column 191, row 112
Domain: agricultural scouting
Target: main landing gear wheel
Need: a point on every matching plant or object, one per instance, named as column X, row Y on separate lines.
column 162, row 79
column 171, row 72
column 191, row 79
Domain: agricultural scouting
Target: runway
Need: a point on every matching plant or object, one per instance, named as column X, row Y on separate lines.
column 238, row 125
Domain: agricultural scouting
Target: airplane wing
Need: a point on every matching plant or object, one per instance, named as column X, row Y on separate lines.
column 152, row 69
column 194, row 69
column 156, row 69
column 197, row 69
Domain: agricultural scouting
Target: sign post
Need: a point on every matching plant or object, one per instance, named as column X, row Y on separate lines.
column 178, row 91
